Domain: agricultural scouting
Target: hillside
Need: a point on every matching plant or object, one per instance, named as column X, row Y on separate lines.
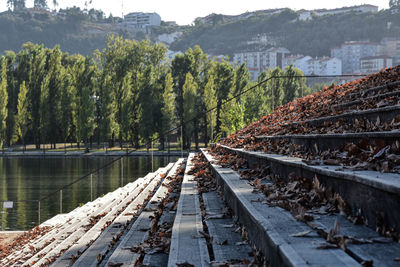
column 73, row 30
column 312, row 37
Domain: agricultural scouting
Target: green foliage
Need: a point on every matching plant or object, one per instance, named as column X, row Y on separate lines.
column 128, row 92
column 22, row 117
column 293, row 85
column 314, row 37
column 3, row 99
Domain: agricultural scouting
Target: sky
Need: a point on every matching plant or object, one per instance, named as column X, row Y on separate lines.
column 184, row 12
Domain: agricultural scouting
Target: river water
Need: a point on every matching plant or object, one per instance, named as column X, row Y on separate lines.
column 25, row 180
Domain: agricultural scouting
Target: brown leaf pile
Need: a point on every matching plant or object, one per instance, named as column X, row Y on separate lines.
column 282, row 121
column 22, row 240
column 303, row 198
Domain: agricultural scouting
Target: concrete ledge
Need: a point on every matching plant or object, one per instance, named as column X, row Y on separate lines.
column 385, row 114
column 333, row 141
column 270, row 228
column 367, row 192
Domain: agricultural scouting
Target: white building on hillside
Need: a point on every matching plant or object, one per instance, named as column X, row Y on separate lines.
column 350, row 54
column 307, row 14
column 375, row 64
column 315, row 66
column 140, row 20
column 391, row 48
column 257, row 62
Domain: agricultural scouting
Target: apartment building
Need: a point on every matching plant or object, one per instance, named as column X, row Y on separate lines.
column 375, row 63
column 350, row 53
column 315, row 66
column 257, row 62
column 140, row 20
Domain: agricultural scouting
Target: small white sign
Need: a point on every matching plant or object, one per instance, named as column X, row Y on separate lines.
column 8, row 205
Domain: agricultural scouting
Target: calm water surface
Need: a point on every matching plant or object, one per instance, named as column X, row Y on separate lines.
column 33, row 178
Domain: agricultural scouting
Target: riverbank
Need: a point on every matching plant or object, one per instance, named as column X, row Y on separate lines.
column 91, row 154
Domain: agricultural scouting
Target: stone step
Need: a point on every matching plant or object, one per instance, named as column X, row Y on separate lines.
column 62, row 225
column 271, row 229
column 385, row 114
column 367, row 192
column 379, row 89
column 322, row 142
column 78, row 240
column 138, row 232
column 188, row 245
column 377, row 97
column 167, row 218
column 98, row 250
column 226, row 243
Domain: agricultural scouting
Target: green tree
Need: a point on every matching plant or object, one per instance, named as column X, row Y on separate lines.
column 181, row 65
column 232, row 117
column 210, row 101
column 22, row 116
column 394, row 5
column 12, row 89
column 105, row 108
column 50, row 105
column 3, row 100
column 223, row 82
column 146, row 118
column 84, row 71
column 168, row 105
column 190, row 89
column 66, row 103
column 293, row 85
column 40, row 3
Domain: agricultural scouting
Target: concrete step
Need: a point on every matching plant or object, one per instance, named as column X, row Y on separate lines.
column 385, row 114
column 367, row 192
column 226, row 243
column 188, row 245
column 368, row 99
column 62, row 225
column 271, row 229
column 167, row 218
column 80, row 238
column 322, row 142
column 98, row 250
column 122, row 255
column 375, row 90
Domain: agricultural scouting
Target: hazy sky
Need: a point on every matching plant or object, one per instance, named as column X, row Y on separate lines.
column 184, row 11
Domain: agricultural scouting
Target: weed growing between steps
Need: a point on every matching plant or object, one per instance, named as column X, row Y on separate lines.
column 207, row 183
column 303, row 198
column 23, row 240
column 159, row 235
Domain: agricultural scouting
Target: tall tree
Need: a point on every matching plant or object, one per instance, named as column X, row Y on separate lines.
column 190, row 89
column 293, row 84
column 3, row 100
column 22, row 117
column 66, row 103
column 12, row 89
column 84, row 71
column 168, row 108
column 16, row 4
column 50, row 105
column 223, row 83
column 40, row 3
column 146, row 105
column 181, row 65
column 105, row 108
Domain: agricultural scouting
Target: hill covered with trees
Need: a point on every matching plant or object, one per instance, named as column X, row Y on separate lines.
column 314, row 37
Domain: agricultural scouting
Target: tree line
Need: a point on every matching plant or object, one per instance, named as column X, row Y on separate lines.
column 130, row 93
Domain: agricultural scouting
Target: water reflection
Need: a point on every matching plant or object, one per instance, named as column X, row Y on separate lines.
column 34, row 178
